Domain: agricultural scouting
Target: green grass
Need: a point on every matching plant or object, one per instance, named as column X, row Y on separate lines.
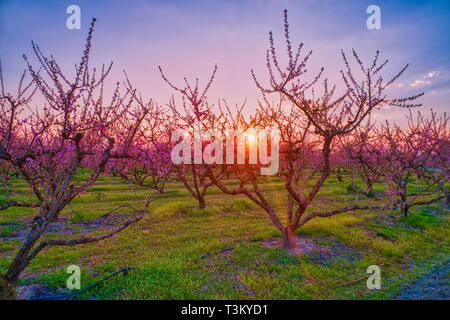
column 177, row 247
column 387, row 232
column 422, row 220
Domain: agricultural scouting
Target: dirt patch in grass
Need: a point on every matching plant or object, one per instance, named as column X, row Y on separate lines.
column 222, row 269
column 320, row 250
column 34, row 291
column 19, row 230
column 433, row 285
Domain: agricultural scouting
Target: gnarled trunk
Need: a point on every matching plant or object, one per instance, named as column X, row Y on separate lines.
column 339, row 175
column 7, row 289
column 201, row 203
column 289, row 238
column 404, row 206
column 160, row 189
column 369, row 188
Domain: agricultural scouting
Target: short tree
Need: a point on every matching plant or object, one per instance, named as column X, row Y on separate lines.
column 415, row 153
column 364, row 152
column 194, row 117
column 315, row 121
column 76, row 130
column 149, row 164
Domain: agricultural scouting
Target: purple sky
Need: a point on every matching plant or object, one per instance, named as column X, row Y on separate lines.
column 188, row 37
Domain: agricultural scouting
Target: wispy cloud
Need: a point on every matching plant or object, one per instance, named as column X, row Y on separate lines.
column 425, row 79
column 420, row 83
column 432, row 74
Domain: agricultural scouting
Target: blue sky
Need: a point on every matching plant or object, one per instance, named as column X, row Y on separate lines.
column 187, row 37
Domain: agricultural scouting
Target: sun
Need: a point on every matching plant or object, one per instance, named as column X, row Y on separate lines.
column 251, row 137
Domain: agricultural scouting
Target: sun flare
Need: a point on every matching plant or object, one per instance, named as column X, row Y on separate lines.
column 251, row 137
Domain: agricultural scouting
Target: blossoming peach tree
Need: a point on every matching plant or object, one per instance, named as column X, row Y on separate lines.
column 309, row 126
column 149, row 164
column 48, row 147
column 191, row 118
column 417, row 154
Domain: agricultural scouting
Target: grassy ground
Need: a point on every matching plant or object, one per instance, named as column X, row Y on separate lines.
column 177, row 249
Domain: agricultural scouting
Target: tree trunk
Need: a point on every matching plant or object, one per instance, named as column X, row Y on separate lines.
column 369, row 189
column 23, row 256
column 289, row 238
column 201, row 203
column 405, row 211
column 404, row 207
column 7, row 289
column 160, row 190
column 338, row 175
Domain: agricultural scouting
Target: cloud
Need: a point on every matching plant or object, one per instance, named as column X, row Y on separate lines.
column 432, row 74
column 420, row 83
column 429, row 75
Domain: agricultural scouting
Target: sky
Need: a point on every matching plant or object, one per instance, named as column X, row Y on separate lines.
column 188, row 37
